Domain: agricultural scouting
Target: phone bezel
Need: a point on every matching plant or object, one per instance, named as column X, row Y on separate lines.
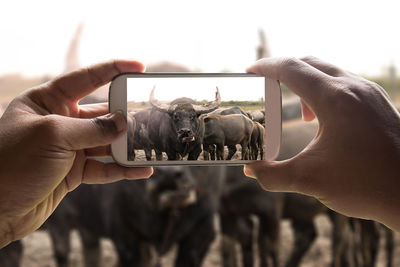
column 273, row 105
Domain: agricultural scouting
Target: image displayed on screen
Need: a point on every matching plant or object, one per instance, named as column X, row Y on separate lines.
column 195, row 118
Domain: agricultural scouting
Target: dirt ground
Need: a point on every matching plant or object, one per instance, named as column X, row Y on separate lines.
column 38, row 249
column 140, row 156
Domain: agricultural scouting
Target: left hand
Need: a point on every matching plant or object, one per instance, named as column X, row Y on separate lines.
column 45, row 141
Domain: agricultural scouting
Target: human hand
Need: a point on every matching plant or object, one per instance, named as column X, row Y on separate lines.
column 45, row 141
column 352, row 164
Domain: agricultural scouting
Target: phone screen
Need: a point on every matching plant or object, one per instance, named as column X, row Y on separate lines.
column 195, row 118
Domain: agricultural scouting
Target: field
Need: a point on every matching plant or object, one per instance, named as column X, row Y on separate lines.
column 38, row 249
column 245, row 105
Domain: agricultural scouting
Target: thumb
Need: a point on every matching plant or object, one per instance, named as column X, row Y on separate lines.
column 99, row 131
column 279, row 176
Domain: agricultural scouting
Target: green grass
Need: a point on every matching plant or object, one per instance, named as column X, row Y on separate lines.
column 245, row 105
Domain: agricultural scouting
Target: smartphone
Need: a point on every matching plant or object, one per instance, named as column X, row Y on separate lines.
column 196, row 118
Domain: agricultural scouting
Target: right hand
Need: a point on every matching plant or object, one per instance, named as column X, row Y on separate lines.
column 352, row 164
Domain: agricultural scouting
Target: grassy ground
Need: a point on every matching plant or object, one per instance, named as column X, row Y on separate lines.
column 245, row 105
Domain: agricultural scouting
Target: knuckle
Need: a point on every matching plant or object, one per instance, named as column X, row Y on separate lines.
column 290, row 62
column 352, row 91
column 49, row 128
column 93, row 76
column 345, row 93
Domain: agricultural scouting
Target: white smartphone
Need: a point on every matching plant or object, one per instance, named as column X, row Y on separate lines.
column 196, row 118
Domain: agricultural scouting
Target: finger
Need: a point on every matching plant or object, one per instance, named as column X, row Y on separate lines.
column 78, row 84
column 282, row 176
column 99, row 173
column 100, row 151
column 93, row 110
column 303, row 79
column 325, row 67
column 80, row 134
column 306, row 112
column 273, row 176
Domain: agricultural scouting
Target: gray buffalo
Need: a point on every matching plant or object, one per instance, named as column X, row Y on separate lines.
column 231, row 110
column 227, row 130
column 175, row 128
column 210, row 149
column 138, row 136
column 131, row 121
column 257, row 141
column 258, row 116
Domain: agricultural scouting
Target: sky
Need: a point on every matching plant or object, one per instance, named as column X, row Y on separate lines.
column 167, row 89
column 210, row 36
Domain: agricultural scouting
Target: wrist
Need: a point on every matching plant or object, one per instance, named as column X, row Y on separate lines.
column 6, row 233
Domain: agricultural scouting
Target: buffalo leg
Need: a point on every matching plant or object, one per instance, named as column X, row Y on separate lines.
column 304, row 235
column 369, row 242
column 194, row 155
column 172, row 155
column 206, row 152
column 158, row 154
column 246, row 242
column 268, row 241
column 91, row 248
column 212, row 151
column 245, row 151
column 261, row 152
column 389, row 246
column 194, row 246
column 148, row 154
column 220, row 152
column 254, row 152
column 228, row 250
column 61, row 246
column 232, row 150
column 10, row 255
column 128, row 247
column 343, row 243
column 241, row 230
column 131, row 154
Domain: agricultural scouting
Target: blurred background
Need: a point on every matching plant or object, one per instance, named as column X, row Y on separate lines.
column 42, row 39
column 206, row 36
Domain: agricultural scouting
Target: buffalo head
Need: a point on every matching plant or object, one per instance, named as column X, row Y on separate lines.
column 184, row 114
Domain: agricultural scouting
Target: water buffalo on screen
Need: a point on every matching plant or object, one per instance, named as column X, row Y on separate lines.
column 258, row 116
column 227, row 130
column 231, row 110
column 138, row 136
column 257, row 141
column 209, row 151
column 175, row 127
column 131, row 121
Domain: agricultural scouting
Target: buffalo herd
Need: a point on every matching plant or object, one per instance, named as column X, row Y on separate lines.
column 182, row 128
column 187, row 207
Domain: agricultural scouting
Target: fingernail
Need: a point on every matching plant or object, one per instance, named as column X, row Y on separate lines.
column 249, row 172
column 119, row 120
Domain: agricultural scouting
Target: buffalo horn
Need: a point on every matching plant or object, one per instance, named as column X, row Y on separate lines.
column 200, row 109
column 163, row 107
column 206, row 108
